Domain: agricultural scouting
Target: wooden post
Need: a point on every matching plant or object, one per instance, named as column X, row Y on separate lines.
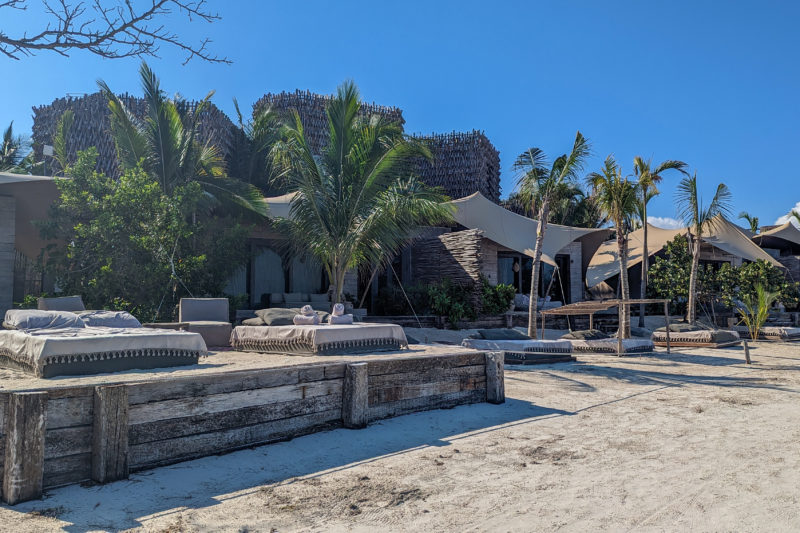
column 495, row 379
column 26, row 416
column 666, row 322
column 591, row 320
column 746, row 352
column 110, row 434
column 620, row 310
column 355, row 396
column 543, row 315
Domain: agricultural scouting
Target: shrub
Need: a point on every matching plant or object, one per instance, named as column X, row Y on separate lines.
column 496, row 299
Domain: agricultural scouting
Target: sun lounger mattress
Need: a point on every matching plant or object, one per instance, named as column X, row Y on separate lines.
column 95, row 350
column 530, row 345
column 611, row 346
column 703, row 336
column 323, row 339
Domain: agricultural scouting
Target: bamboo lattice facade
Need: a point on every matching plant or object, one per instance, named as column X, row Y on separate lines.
column 92, row 126
column 463, row 163
column 311, row 108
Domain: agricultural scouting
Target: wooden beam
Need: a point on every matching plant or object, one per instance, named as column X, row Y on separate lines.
column 110, row 434
column 495, row 379
column 355, row 396
column 666, row 322
column 24, row 455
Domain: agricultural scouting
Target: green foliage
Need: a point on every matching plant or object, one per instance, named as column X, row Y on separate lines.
column 669, row 276
column 453, row 301
column 29, row 301
column 495, row 299
column 128, row 244
column 13, row 149
column 754, row 308
column 728, row 285
column 60, row 141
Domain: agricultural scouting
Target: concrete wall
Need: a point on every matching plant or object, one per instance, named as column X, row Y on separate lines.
column 7, row 237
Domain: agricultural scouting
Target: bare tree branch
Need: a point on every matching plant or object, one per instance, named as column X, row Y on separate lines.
column 110, row 29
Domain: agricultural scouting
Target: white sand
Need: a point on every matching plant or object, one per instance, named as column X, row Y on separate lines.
column 692, row 441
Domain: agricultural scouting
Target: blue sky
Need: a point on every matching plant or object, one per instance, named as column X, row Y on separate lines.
column 716, row 84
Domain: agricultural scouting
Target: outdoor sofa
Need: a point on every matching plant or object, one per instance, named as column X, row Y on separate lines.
column 771, row 333
column 60, row 343
column 685, row 335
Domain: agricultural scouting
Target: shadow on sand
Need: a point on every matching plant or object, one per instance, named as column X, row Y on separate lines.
column 209, row 481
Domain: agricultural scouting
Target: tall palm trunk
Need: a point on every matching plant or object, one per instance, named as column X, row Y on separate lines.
column 544, row 212
column 691, row 312
column 625, row 312
column 645, row 266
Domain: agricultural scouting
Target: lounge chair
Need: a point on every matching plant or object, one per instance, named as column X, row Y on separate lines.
column 208, row 317
column 518, row 348
column 684, row 335
column 771, row 333
column 58, row 343
column 594, row 341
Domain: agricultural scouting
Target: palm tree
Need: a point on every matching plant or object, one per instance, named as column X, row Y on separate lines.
column 165, row 142
column 649, row 178
column 618, row 198
column 250, row 159
column 12, row 150
column 796, row 215
column 356, row 203
column 752, row 221
column 699, row 218
column 538, row 184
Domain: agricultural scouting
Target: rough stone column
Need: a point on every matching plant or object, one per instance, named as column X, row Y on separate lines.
column 7, row 237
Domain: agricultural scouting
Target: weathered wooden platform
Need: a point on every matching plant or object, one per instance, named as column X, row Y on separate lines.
column 99, row 428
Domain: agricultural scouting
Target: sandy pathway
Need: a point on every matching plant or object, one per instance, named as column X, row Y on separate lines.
column 690, row 441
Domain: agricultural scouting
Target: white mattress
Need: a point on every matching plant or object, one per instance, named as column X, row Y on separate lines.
column 530, row 345
column 40, row 347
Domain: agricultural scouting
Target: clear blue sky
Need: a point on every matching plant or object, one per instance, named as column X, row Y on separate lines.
column 716, row 84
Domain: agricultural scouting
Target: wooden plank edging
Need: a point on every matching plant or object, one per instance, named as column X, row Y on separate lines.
column 24, row 454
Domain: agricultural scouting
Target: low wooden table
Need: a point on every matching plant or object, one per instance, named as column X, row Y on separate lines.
column 180, row 326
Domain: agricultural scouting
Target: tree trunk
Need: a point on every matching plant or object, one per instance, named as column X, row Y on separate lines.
column 691, row 312
column 544, row 212
column 645, row 266
column 338, row 285
column 625, row 314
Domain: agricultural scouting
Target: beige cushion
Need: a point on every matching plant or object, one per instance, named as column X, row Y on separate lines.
column 204, row 309
column 276, row 298
column 319, row 298
column 63, row 303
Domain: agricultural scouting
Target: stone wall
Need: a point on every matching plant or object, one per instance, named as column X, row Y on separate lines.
column 456, row 256
column 7, row 238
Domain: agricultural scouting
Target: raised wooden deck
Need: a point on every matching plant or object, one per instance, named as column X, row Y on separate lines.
column 99, row 428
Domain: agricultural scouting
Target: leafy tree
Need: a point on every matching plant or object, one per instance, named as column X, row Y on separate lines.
column 251, row 161
column 538, row 183
column 110, row 29
column 617, row 197
column 752, row 221
column 571, row 206
column 699, row 218
column 129, row 244
column 669, row 275
column 165, row 145
column 357, row 203
column 13, row 149
column 648, row 179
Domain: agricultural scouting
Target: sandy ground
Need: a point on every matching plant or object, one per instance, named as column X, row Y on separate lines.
column 692, row 441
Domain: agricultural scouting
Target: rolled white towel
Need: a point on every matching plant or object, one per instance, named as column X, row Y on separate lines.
column 306, row 320
column 307, row 310
column 340, row 319
column 338, row 309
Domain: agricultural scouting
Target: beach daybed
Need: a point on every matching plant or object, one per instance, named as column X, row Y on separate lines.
column 518, row 348
column 690, row 336
column 594, row 341
column 771, row 333
column 60, row 343
column 322, row 339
